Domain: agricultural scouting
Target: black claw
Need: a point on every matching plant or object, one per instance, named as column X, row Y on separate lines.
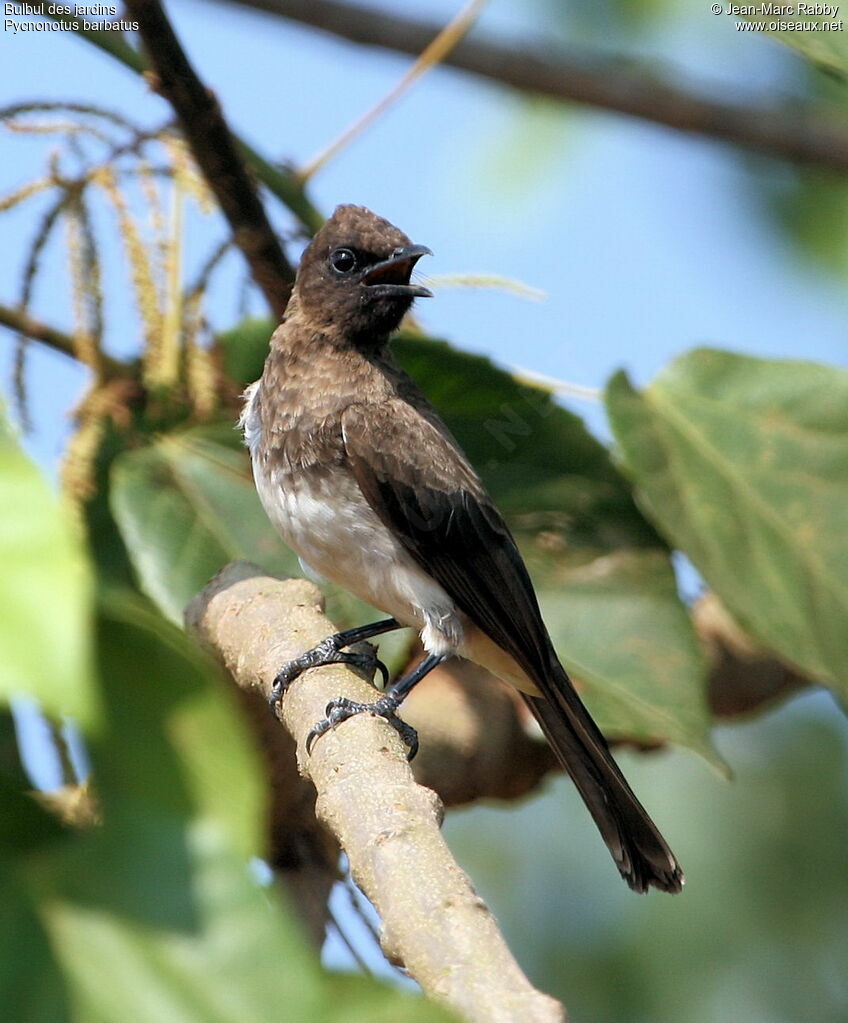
column 326, row 652
column 366, row 660
column 384, row 671
column 342, row 709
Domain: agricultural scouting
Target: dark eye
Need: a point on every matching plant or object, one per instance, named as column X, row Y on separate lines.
column 343, row 261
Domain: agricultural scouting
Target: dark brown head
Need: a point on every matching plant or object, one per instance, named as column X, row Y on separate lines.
column 354, row 276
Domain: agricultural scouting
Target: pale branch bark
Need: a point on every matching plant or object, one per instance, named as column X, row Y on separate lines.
column 215, row 150
column 432, row 920
column 805, row 134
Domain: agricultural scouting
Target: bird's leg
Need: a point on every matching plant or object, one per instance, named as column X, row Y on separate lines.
column 330, row 651
column 386, row 707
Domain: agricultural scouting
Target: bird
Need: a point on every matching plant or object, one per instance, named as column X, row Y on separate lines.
column 364, row 481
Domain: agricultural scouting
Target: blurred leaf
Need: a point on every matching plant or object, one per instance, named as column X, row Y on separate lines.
column 26, row 824
column 32, row 989
column 176, row 744
column 44, row 593
column 240, row 962
column 111, row 561
column 622, row 631
column 743, row 463
column 529, row 124
column 245, row 962
column 11, row 768
column 826, row 48
column 353, row 999
column 811, row 204
column 186, row 506
column 604, row 578
column 243, row 350
column 542, row 466
column 154, row 915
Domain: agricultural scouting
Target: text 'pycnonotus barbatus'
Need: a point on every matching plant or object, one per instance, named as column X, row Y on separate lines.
column 366, row 484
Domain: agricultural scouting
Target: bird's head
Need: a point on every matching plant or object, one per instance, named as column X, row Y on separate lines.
column 354, row 277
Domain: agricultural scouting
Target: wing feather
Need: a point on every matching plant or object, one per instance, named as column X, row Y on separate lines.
column 422, row 488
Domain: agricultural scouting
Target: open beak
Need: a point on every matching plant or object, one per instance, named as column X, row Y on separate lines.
column 390, row 278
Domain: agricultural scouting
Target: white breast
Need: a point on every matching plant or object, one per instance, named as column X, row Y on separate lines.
column 322, row 515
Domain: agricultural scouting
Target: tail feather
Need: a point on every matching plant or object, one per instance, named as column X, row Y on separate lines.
column 639, row 850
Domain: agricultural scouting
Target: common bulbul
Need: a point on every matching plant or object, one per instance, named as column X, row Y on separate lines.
column 364, row 481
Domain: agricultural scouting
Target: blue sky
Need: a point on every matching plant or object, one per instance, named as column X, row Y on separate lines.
column 647, row 242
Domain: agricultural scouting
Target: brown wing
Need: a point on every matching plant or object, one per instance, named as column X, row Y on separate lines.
column 423, row 489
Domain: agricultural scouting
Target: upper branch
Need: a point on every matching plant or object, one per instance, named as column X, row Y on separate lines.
column 796, row 133
column 433, row 921
column 56, row 339
column 216, row 152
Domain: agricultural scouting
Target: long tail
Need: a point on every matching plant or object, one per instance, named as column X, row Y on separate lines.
column 639, row 850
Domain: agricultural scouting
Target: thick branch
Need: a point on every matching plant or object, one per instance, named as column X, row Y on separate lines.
column 802, row 134
column 433, row 921
column 216, row 152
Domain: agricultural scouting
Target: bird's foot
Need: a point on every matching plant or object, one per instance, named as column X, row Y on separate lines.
column 328, row 651
column 386, row 707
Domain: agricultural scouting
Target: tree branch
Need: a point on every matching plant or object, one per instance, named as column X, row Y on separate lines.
column 802, row 134
column 284, row 184
column 215, row 150
column 433, row 921
column 57, row 340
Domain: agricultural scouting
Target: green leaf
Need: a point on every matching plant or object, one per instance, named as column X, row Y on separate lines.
column 743, row 463
column 26, row 824
column 32, row 988
column 45, row 616
column 241, row 960
column 811, row 205
column 353, row 999
column 825, row 46
column 245, row 961
column 176, row 742
column 538, row 460
column 154, row 914
column 244, row 348
column 186, row 506
column 627, row 639
column 603, row 576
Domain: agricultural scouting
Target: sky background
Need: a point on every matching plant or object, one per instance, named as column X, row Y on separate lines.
column 647, row 243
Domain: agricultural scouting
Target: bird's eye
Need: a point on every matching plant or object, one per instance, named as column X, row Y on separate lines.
column 343, row 261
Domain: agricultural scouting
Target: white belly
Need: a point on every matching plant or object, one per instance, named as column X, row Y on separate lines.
column 324, row 518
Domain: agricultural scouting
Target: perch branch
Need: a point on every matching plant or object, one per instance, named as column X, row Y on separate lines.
column 799, row 133
column 433, row 921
